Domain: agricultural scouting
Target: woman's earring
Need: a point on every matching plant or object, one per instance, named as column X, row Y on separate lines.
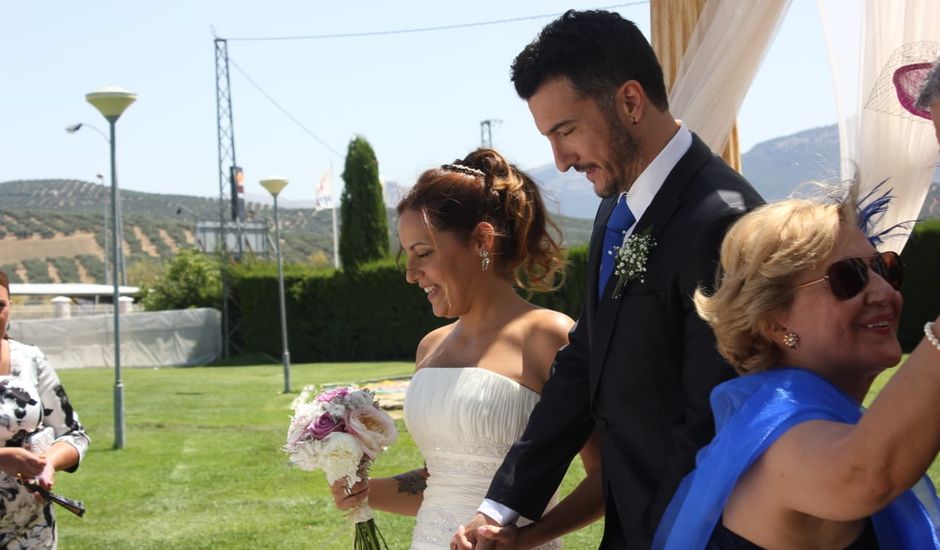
column 485, row 259
column 791, row 340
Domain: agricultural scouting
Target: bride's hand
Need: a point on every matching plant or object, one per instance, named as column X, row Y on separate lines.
column 346, row 500
column 506, row 536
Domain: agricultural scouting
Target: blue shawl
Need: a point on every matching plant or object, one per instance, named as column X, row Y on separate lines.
column 751, row 412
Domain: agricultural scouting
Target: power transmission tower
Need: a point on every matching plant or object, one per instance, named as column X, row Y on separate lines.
column 486, row 132
column 227, row 167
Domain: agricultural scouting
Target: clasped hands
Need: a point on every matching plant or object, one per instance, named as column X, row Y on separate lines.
column 483, row 533
column 18, row 462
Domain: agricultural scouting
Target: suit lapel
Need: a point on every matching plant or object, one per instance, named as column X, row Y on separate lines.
column 594, row 252
column 657, row 217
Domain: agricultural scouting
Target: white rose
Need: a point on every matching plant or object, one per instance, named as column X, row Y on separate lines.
column 340, row 456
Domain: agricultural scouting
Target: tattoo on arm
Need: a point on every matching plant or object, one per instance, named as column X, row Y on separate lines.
column 411, row 482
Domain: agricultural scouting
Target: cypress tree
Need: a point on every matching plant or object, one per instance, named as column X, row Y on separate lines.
column 364, row 234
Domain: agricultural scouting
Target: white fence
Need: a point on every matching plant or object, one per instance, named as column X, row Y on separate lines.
column 148, row 339
column 29, row 312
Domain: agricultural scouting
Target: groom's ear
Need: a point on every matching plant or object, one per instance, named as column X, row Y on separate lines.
column 483, row 236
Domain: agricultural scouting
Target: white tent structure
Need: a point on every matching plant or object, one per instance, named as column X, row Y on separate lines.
column 711, row 50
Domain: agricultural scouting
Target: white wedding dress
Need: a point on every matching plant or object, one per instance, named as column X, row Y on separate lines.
column 463, row 420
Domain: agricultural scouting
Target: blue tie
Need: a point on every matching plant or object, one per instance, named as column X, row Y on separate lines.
column 619, row 221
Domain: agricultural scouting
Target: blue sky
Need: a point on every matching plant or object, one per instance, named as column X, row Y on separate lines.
column 417, row 97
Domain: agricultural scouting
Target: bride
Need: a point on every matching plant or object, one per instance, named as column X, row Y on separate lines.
column 471, row 230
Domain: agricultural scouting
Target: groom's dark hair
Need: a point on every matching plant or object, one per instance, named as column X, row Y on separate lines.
column 597, row 51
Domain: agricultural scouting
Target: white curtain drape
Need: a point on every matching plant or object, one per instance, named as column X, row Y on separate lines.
column 867, row 41
column 723, row 55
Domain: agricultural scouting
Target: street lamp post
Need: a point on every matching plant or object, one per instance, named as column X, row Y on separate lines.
column 106, row 247
column 274, row 185
column 111, row 102
column 119, row 260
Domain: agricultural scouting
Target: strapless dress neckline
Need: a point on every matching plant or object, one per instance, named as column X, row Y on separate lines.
column 463, row 420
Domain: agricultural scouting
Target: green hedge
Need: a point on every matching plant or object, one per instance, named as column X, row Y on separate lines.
column 338, row 316
column 376, row 314
column 333, row 315
column 570, row 296
column 921, row 288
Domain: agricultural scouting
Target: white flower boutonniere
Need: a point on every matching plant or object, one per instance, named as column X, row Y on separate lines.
column 630, row 261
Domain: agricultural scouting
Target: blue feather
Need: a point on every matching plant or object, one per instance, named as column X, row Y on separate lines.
column 871, row 210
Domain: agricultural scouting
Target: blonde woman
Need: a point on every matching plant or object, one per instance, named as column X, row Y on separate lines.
column 807, row 311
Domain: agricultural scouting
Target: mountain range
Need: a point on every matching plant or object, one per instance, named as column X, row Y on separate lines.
column 775, row 168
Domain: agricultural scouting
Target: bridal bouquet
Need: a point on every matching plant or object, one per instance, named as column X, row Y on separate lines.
column 341, row 431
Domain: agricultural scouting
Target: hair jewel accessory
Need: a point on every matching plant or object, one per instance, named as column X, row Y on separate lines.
column 485, row 259
column 466, row 170
column 791, row 340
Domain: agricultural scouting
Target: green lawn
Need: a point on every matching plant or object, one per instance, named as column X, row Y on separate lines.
column 202, row 465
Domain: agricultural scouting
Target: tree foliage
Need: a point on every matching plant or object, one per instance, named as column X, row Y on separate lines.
column 364, row 234
column 191, row 279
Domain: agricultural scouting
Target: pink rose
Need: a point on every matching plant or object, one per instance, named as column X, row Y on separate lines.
column 335, row 393
column 373, row 427
column 324, row 425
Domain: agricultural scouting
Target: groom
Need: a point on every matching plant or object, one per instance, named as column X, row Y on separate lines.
column 640, row 363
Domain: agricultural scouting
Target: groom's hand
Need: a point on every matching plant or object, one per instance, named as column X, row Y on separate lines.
column 468, row 537
column 503, row 537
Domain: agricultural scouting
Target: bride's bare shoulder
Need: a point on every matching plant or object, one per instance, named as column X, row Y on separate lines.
column 548, row 323
column 430, row 342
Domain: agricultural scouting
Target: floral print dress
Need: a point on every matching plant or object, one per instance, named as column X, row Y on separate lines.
column 32, row 401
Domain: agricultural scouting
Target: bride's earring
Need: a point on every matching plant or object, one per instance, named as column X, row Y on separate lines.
column 485, row 259
column 791, row 340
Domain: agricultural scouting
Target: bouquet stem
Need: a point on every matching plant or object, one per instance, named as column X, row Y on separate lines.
column 368, row 537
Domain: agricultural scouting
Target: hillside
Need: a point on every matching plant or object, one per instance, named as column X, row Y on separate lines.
column 53, row 230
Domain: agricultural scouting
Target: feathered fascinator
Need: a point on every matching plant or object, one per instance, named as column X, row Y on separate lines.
column 872, row 208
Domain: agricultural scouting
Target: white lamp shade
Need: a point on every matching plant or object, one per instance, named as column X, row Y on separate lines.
column 274, row 184
column 111, row 101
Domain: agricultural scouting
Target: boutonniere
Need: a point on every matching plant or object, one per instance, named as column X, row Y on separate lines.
column 631, row 257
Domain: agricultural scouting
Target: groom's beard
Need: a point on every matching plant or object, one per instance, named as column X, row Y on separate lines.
column 624, row 153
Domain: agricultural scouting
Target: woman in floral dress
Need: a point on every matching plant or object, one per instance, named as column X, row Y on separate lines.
column 41, row 435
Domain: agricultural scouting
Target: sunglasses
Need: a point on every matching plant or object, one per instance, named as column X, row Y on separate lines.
column 849, row 276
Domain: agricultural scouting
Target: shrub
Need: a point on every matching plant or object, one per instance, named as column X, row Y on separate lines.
column 921, row 258
column 191, row 279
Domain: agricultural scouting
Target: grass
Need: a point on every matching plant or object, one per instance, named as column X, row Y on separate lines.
column 202, row 465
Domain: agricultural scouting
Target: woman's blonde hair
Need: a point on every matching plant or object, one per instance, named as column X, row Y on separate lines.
column 761, row 257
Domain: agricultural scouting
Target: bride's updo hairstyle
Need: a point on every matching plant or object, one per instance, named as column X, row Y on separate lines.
column 485, row 187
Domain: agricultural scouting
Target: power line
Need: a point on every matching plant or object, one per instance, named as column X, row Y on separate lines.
column 283, row 110
column 420, row 29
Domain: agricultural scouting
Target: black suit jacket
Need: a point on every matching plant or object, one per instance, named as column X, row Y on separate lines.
column 638, row 369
